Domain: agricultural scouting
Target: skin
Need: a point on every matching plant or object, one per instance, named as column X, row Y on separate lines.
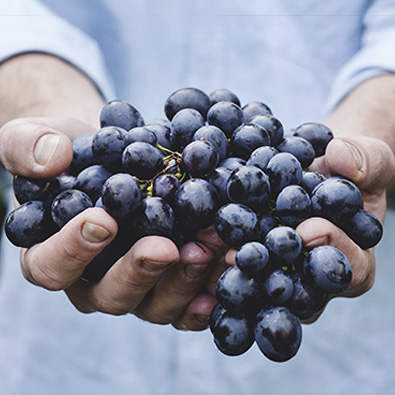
column 154, row 280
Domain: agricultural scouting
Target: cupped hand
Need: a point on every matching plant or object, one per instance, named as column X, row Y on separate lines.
column 154, row 280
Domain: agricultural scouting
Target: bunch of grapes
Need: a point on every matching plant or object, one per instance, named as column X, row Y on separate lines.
column 211, row 161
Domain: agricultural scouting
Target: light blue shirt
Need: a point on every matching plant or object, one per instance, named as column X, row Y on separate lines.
column 299, row 57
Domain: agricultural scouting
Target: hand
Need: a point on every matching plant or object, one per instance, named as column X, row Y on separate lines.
column 369, row 163
column 153, row 280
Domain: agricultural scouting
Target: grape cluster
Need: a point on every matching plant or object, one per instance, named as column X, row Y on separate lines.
column 211, row 161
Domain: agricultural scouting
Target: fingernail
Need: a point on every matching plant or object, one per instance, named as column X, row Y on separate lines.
column 204, row 319
column 194, row 271
column 153, row 266
column 94, row 233
column 317, row 242
column 356, row 154
column 45, row 148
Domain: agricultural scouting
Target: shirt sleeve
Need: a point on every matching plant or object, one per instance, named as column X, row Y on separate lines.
column 27, row 26
column 376, row 55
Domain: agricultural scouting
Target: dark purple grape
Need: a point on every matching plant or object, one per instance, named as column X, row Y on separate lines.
column 283, row 170
column 121, row 114
column 67, row 205
column 278, row 287
column 166, row 186
column 66, row 181
column 216, row 137
column 261, row 156
column 219, row 178
column 336, row 199
column 300, row 148
column 266, row 222
column 142, row 134
column 246, row 138
column 236, row 224
column 121, row 195
column 91, row 181
column 317, row 134
column 227, row 116
column 29, row 224
column 272, row 125
column 142, row 160
column 187, row 98
column 328, row 268
column 254, row 108
column 237, row 292
column 278, row 333
column 307, row 299
column 162, row 133
column 83, row 156
column 183, row 126
column 310, row 179
column 284, row 245
column 108, row 145
column 250, row 186
column 364, row 228
column 223, row 95
column 155, row 217
column 293, row 205
column 196, row 203
column 216, row 313
column 26, row 189
column 233, row 334
column 199, row 158
column 252, row 259
column 232, row 163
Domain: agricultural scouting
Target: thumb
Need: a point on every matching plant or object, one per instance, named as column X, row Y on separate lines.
column 367, row 161
column 38, row 147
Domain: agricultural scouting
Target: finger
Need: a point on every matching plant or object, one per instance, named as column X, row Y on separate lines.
column 60, row 260
column 197, row 315
column 129, row 280
column 179, row 285
column 38, row 147
column 318, row 231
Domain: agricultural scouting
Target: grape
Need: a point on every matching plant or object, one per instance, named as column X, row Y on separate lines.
column 266, row 222
column 233, row 163
column 336, row 199
column 199, row 158
column 255, row 108
column 237, row 292
column 187, row 98
column 219, row 178
column 300, row 148
column 68, row 204
column 183, row 126
column 252, row 259
column 227, row 116
column 272, row 125
column 142, row 160
column 310, row 179
column 91, row 180
column 216, row 137
column 278, row 286
column 108, row 145
column 236, row 224
column 223, row 95
column 328, row 268
column 233, row 334
column 250, row 186
column 121, row 195
column 246, row 138
column 29, row 224
column 261, row 156
column 26, row 189
column 166, row 186
column 142, row 134
column 278, row 333
column 317, row 134
column 196, row 203
column 162, row 133
column 120, row 113
column 83, row 156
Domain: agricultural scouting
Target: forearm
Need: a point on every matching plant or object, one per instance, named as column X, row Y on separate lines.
column 37, row 84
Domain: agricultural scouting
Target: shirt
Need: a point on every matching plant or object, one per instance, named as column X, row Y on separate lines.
column 301, row 59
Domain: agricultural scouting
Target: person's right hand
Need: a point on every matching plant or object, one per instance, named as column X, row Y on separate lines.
column 153, row 280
